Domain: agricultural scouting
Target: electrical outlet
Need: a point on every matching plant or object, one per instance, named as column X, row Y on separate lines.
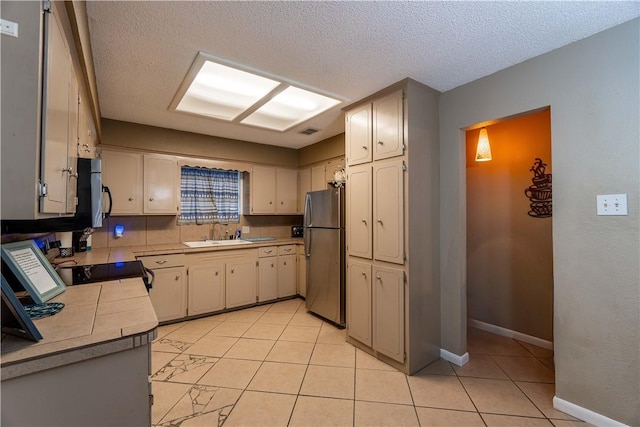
column 9, row 28
column 246, row 229
column 612, row 204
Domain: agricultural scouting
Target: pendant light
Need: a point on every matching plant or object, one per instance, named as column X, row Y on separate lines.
column 483, row 150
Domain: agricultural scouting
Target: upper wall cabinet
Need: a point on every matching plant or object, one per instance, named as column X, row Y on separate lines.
column 122, row 173
column 375, row 131
column 271, row 191
column 161, row 184
column 358, row 130
column 40, row 115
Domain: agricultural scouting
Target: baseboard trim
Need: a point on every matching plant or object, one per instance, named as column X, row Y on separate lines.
column 454, row 358
column 584, row 414
column 511, row 334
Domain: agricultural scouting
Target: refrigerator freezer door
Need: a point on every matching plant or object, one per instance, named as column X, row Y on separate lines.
column 325, row 292
column 322, row 209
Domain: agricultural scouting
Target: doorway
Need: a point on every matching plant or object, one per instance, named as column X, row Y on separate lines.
column 509, row 229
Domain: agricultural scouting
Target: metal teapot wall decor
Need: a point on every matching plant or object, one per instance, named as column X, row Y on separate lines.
column 540, row 192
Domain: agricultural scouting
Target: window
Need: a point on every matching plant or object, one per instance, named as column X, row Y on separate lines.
column 209, row 195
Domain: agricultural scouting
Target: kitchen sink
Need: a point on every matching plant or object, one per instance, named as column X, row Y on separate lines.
column 210, row 243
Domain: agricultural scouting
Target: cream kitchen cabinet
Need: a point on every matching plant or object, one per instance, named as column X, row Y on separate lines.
column 58, row 169
column 169, row 292
column 122, row 173
column 318, row 178
column 388, row 312
column 267, row 273
column 392, row 225
column 86, row 146
column 304, row 186
column 206, row 288
column 358, row 134
column 271, row 191
column 241, row 282
column 359, row 211
column 359, row 306
column 388, row 211
column 287, row 273
column 39, row 112
column 302, row 271
column 388, row 139
column 161, row 185
column 286, row 191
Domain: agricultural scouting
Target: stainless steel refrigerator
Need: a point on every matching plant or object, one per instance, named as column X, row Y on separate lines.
column 324, row 252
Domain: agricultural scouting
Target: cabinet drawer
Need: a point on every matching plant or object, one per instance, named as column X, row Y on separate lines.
column 163, row 261
column 287, row 250
column 267, row 251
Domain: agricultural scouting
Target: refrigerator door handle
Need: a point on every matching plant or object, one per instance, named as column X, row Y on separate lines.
column 307, row 211
column 307, row 243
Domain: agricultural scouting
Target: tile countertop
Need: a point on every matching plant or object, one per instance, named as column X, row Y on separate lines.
column 98, row 319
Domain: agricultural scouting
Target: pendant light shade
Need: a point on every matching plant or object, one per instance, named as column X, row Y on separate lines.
column 483, row 151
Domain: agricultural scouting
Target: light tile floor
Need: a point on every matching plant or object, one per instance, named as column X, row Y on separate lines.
column 277, row 365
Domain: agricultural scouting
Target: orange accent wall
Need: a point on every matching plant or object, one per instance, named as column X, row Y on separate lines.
column 509, row 253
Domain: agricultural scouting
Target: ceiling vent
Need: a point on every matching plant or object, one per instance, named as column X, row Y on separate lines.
column 309, row 131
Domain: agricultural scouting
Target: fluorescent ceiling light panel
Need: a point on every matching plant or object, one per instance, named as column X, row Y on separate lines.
column 227, row 93
column 224, row 92
column 288, row 108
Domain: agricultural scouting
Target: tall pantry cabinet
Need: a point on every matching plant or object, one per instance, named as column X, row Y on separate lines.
column 393, row 296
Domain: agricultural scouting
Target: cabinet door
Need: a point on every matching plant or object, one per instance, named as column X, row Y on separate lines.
column 206, row 288
column 318, row 179
column 263, row 190
column 122, row 173
column 287, row 191
column 241, row 282
column 304, row 186
column 388, row 312
column 286, row 275
column 388, row 119
column 86, row 145
column 302, row 275
column 267, row 278
column 388, row 212
column 359, row 211
column 169, row 293
column 54, row 162
column 160, row 184
column 72, row 143
column 358, row 134
column 359, row 301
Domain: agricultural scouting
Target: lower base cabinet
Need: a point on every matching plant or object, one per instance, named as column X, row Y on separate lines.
column 206, row 289
column 375, row 307
column 169, row 293
column 241, row 282
column 267, row 278
column 287, row 275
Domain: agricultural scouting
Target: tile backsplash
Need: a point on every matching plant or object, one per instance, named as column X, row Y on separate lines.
column 159, row 230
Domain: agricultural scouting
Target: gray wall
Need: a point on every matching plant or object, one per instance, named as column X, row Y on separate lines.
column 593, row 89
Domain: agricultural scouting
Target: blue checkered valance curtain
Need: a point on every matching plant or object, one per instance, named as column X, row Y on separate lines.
column 209, row 195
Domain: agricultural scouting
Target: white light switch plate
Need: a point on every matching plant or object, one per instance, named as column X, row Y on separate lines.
column 612, row 204
column 9, row 28
column 246, row 229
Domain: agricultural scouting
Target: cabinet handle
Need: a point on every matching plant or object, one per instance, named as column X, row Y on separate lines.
column 364, row 147
column 379, row 221
column 268, row 252
column 281, row 202
column 232, row 271
column 378, row 277
column 287, row 250
column 285, row 263
column 177, row 277
column 70, row 170
column 163, row 261
column 380, row 142
column 217, row 273
column 151, row 199
column 271, row 265
column 364, row 221
column 131, row 199
column 364, row 274
column 270, row 202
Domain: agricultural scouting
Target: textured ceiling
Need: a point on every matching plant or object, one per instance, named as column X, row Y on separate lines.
column 142, row 50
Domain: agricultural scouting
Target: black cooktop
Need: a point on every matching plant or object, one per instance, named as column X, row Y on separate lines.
column 84, row 274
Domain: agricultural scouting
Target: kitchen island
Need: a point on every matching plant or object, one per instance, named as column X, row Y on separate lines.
column 91, row 367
